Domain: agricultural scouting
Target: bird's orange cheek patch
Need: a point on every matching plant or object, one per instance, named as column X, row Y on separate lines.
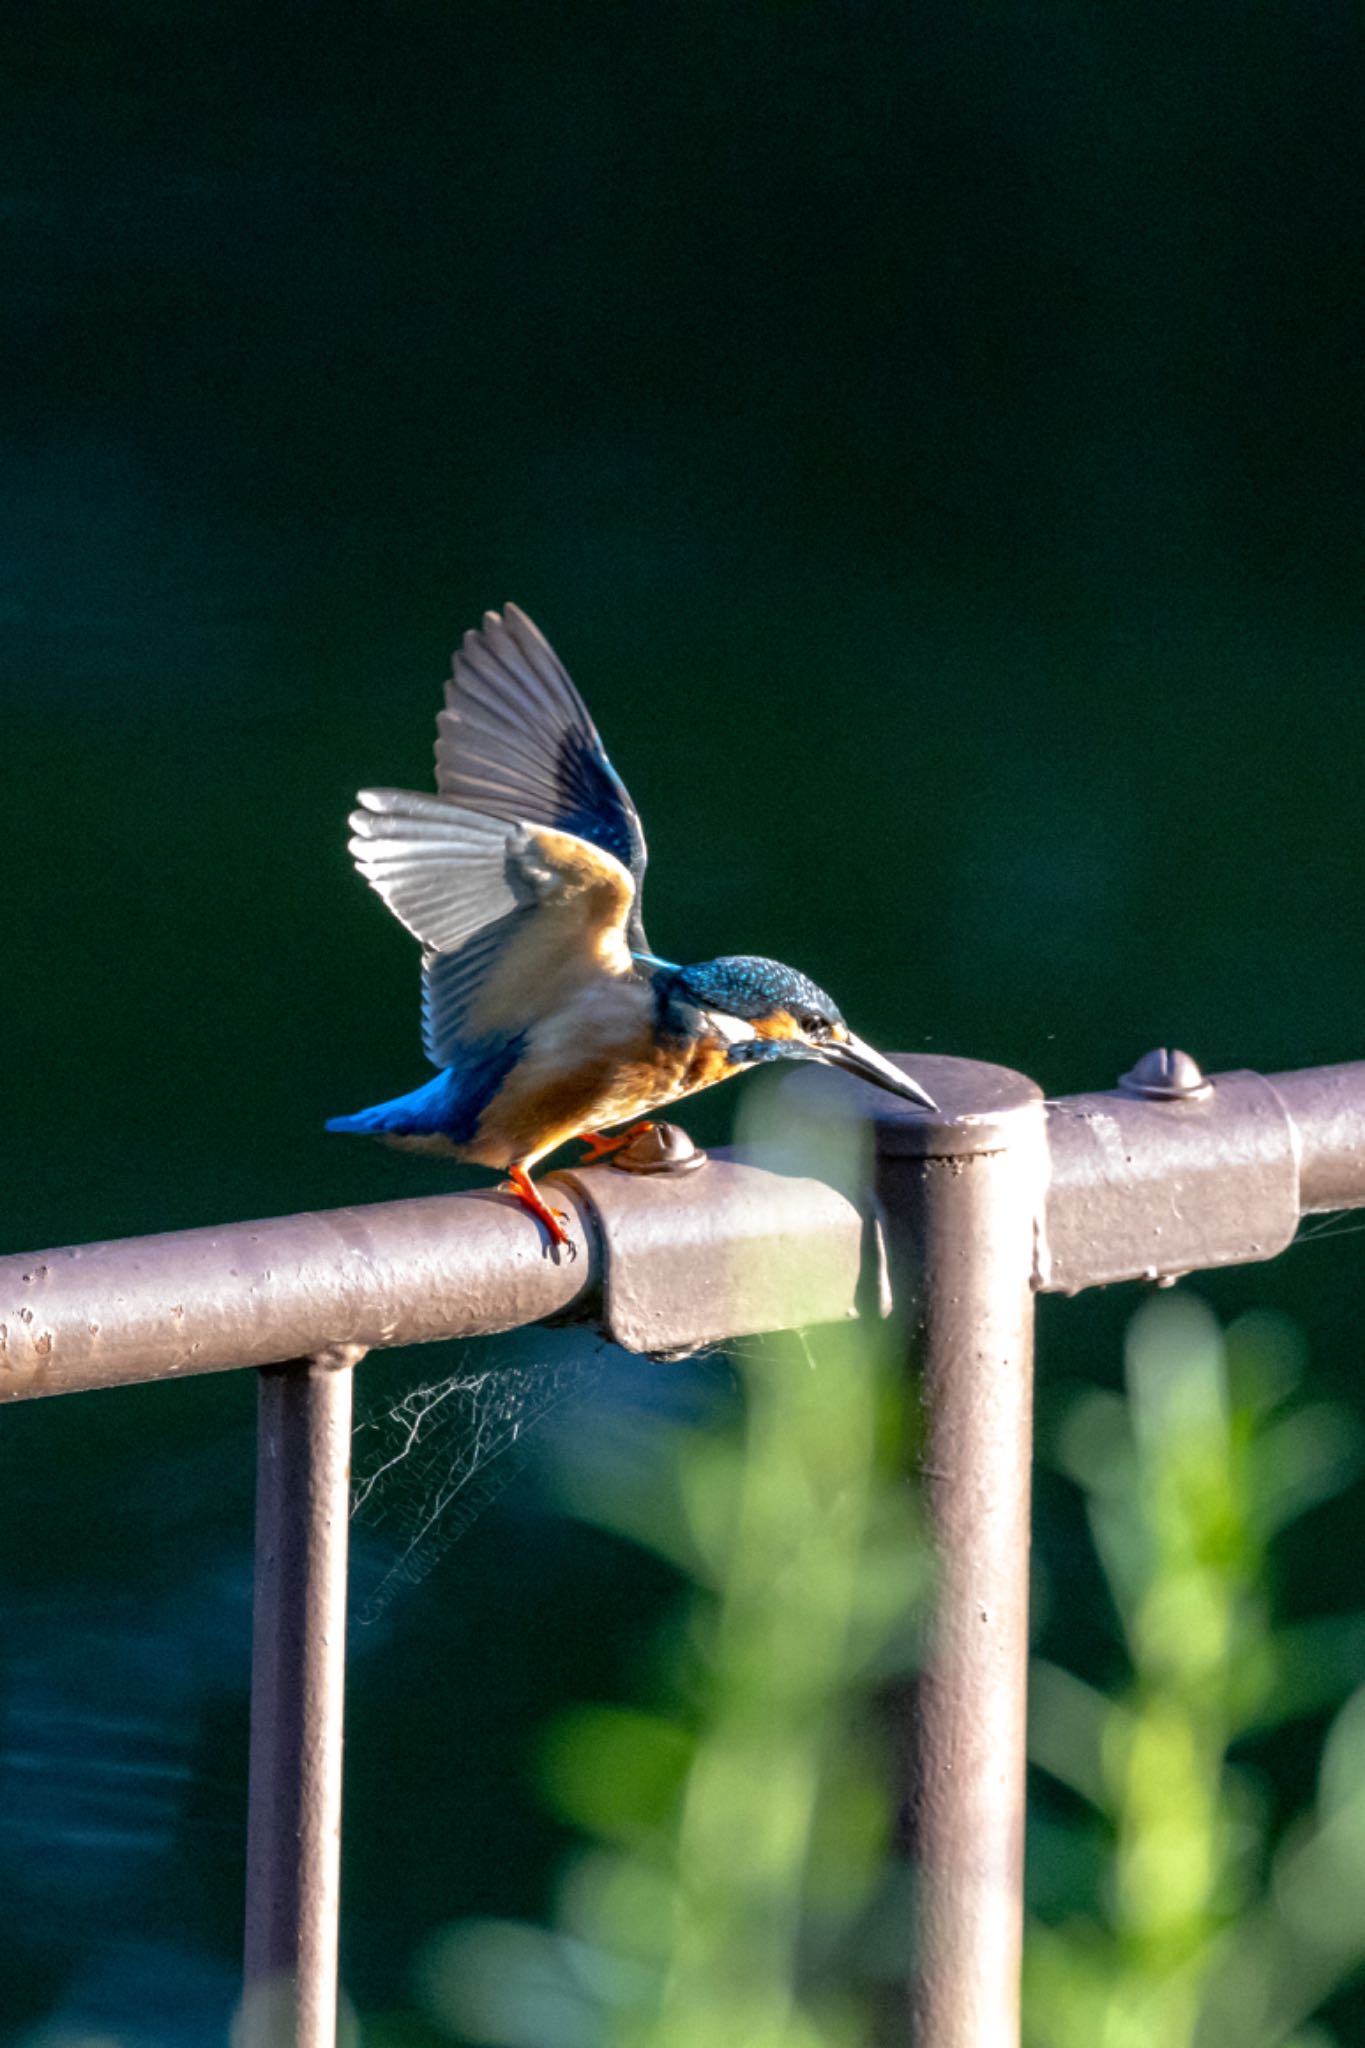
column 709, row 1064
column 781, row 1024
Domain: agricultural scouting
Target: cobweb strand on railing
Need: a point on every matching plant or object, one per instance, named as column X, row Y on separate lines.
column 428, row 1464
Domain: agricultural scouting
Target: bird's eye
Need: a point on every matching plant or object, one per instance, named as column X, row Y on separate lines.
column 814, row 1027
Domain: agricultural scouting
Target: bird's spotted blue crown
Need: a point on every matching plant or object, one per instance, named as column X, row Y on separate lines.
column 755, row 991
column 747, row 986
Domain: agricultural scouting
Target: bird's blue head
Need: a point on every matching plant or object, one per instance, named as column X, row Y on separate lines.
column 767, row 1011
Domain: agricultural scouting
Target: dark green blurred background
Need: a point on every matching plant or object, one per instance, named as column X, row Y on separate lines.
column 931, row 437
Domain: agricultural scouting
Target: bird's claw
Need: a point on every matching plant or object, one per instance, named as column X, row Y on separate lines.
column 554, row 1220
column 559, row 1236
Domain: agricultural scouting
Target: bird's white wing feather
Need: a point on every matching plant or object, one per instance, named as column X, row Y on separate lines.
column 515, row 742
column 512, row 917
column 442, row 870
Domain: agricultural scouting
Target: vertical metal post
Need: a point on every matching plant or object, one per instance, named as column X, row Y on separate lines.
column 297, row 1681
column 962, row 1197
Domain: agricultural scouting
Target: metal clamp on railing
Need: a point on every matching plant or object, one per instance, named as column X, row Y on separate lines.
column 1175, row 1173
column 1169, row 1173
column 689, row 1259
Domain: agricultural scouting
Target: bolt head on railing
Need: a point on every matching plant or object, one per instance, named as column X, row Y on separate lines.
column 1166, row 1075
column 663, row 1148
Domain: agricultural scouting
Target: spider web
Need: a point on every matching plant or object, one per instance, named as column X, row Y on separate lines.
column 427, row 1465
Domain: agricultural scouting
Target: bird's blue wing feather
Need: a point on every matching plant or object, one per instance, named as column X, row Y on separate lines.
column 515, row 742
column 451, row 983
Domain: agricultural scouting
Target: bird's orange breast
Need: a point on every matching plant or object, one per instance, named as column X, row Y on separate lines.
column 589, row 1072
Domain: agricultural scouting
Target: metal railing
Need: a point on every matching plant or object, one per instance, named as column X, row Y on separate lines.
column 998, row 1196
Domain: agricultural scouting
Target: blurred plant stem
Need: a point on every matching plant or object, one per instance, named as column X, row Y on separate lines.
column 735, row 1844
column 793, row 1630
column 1186, row 1484
column 738, row 1831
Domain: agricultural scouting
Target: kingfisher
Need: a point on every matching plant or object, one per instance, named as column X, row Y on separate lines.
column 544, row 1011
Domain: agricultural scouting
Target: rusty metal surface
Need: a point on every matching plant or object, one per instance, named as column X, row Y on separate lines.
column 737, row 1249
column 101, row 1315
column 1148, row 1189
column 961, row 1200
column 297, row 1691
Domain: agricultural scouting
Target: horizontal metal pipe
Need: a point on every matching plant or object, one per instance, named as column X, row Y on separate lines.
column 1327, row 1108
column 1137, row 1188
column 1142, row 1189
column 1150, row 1189
column 664, row 1264
column 245, row 1294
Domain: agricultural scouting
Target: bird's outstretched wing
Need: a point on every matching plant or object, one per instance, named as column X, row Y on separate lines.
column 512, row 917
column 515, row 742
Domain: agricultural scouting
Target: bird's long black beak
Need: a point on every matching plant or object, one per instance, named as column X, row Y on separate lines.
column 855, row 1056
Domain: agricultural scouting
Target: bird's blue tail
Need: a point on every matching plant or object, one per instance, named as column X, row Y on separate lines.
column 448, row 1107
column 427, row 1111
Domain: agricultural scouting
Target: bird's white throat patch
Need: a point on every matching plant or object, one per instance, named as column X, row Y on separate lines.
column 734, row 1030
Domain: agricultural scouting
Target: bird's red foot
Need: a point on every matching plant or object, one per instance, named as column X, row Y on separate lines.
column 518, row 1183
column 600, row 1146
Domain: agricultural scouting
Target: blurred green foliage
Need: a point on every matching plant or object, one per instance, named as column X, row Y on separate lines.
column 1205, row 1925
column 739, row 1829
column 734, row 1881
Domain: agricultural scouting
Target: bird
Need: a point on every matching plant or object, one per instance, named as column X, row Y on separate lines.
column 544, row 1011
